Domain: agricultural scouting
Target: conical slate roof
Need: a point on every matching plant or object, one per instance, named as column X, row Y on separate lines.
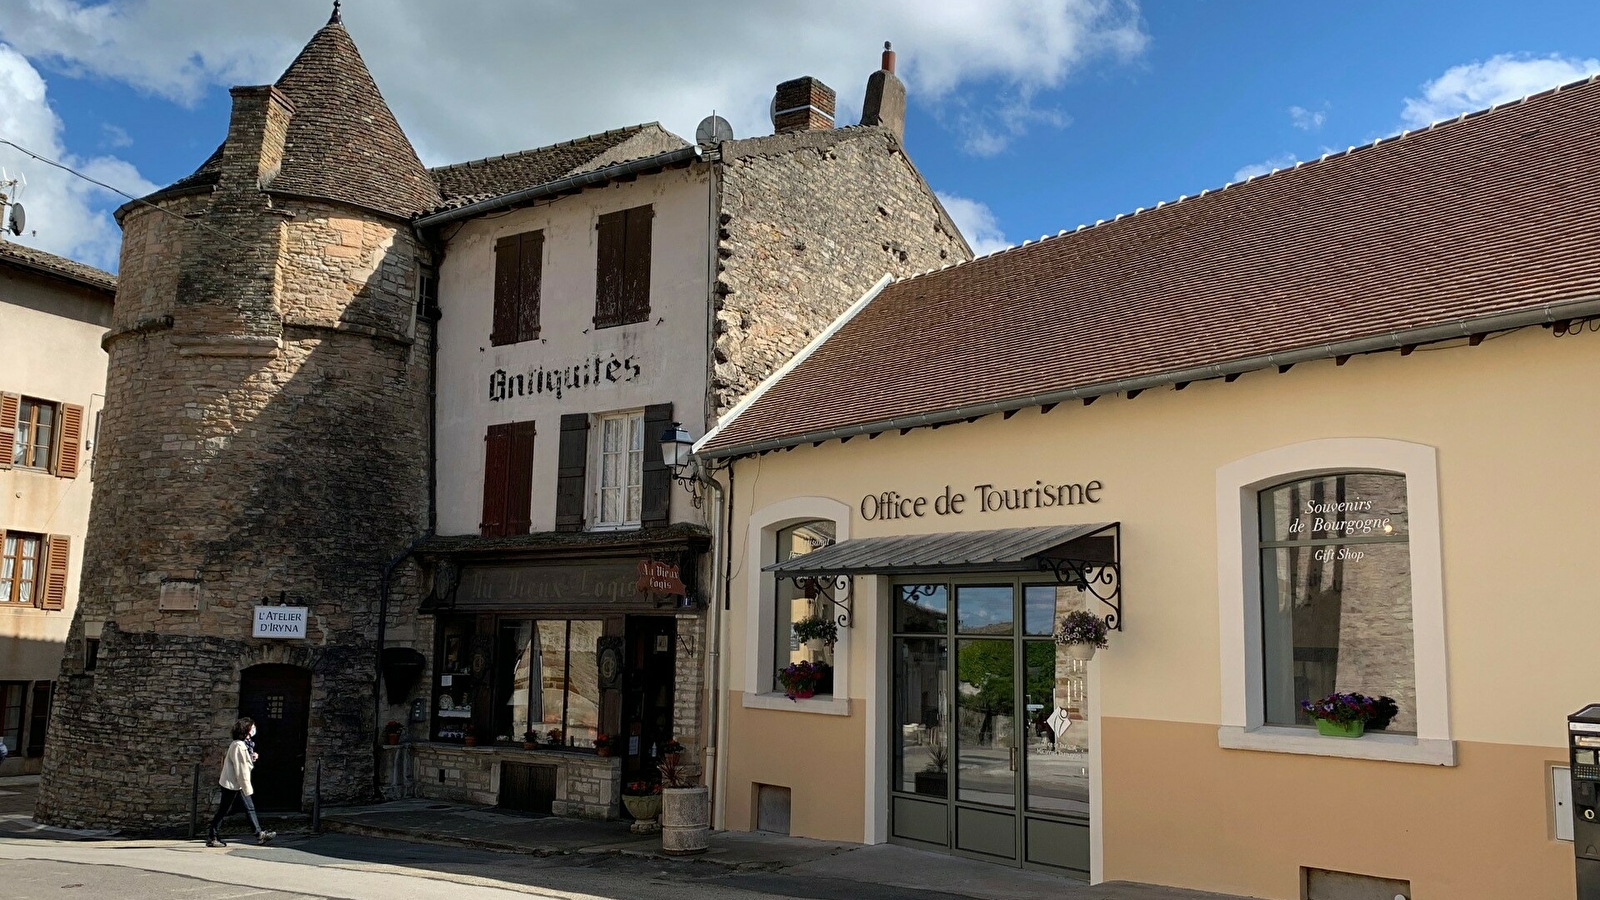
column 344, row 143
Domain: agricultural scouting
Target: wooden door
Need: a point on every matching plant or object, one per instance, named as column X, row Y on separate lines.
column 278, row 698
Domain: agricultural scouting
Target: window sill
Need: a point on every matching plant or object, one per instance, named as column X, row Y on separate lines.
column 634, row 526
column 1401, row 748
column 826, row 706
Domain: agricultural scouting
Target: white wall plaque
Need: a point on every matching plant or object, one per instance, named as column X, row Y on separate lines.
column 280, row 622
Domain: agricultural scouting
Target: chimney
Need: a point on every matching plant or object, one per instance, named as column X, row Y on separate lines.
column 257, row 129
column 885, row 104
column 804, row 104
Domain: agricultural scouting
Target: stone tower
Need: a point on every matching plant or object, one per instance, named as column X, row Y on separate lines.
column 265, row 440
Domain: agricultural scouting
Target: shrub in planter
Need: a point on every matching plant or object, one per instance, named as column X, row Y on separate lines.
column 685, row 805
column 1343, row 715
column 802, row 679
column 391, row 732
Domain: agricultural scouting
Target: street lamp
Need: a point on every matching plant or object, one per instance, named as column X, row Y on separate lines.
column 677, row 450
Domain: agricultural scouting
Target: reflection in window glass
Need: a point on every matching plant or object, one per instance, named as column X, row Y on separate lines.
column 513, row 678
column 922, row 752
column 793, row 604
column 550, row 678
column 1042, row 607
column 1057, row 763
column 985, row 723
column 984, row 609
column 1336, row 594
column 921, row 608
column 583, row 682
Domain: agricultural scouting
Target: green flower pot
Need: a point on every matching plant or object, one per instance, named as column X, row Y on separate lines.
column 1341, row 729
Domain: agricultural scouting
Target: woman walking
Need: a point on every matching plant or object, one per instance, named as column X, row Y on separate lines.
column 235, row 781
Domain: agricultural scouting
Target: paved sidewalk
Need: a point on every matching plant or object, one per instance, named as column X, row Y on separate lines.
column 754, row 856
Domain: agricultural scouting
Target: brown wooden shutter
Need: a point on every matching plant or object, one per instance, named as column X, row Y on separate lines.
column 52, row 588
column 69, row 441
column 610, row 260
column 657, row 500
column 636, row 266
column 519, row 481
column 530, row 274
column 507, row 290
column 571, row 480
column 496, row 473
column 9, row 404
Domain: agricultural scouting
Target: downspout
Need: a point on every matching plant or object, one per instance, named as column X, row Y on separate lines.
column 719, row 699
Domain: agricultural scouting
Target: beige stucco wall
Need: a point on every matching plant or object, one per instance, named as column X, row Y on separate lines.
column 1514, row 422
column 50, row 349
column 669, row 349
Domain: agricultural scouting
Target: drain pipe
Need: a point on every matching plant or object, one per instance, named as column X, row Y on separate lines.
column 719, row 695
column 713, row 646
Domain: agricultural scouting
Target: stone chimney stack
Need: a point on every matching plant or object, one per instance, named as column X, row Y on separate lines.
column 257, row 129
column 803, row 104
column 885, row 104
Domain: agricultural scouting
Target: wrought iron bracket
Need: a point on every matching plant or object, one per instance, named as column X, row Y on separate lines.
column 835, row 589
column 1101, row 580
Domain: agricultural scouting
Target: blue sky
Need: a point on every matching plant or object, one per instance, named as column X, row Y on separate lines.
column 1030, row 116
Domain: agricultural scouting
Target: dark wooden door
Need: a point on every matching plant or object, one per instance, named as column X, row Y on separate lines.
column 648, row 684
column 278, row 698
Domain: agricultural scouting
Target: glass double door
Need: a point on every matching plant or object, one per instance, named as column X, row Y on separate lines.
column 991, row 732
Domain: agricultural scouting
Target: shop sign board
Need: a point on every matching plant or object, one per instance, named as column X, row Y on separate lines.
column 656, row 577
column 284, row 622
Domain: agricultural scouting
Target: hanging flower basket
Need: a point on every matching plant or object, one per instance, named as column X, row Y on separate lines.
column 1082, row 633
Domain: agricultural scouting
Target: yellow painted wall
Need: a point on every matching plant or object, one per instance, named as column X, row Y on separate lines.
column 1516, row 422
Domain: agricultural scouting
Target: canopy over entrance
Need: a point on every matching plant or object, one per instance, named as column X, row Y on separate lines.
column 1086, row 556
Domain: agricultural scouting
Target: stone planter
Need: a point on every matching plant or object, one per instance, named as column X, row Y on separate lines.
column 1083, row 652
column 644, row 809
column 685, row 820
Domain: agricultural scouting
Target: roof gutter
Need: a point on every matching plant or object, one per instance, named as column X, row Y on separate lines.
column 1544, row 314
column 560, row 186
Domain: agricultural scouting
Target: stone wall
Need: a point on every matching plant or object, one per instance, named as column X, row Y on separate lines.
column 587, row 786
column 257, row 442
column 689, row 685
column 810, row 221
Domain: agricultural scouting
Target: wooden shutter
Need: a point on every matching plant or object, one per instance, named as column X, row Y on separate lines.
column 636, row 266
column 519, row 481
column 69, row 441
column 496, row 473
column 610, row 260
column 507, row 290
column 9, row 404
column 52, row 588
column 657, row 500
column 530, row 272
column 571, row 480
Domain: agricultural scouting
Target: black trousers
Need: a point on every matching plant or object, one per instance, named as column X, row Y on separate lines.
column 229, row 797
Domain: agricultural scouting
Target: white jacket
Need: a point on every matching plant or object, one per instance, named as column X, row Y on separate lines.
column 236, row 766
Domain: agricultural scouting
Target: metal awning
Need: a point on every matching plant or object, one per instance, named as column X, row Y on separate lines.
column 1000, row 550
column 1085, row 556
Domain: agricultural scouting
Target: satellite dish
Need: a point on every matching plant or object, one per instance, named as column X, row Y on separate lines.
column 19, row 219
column 713, row 130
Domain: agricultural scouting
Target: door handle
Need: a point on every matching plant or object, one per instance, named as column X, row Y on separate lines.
column 1014, row 759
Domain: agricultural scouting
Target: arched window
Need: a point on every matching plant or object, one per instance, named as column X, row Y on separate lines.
column 795, row 609
column 1336, row 594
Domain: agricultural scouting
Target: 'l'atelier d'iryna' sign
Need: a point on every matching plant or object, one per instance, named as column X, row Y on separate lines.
column 985, row 498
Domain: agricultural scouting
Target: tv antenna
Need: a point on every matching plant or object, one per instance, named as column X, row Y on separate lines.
column 15, row 217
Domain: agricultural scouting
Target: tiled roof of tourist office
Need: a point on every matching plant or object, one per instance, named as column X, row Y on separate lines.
column 14, row 254
column 1491, row 213
column 483, row 179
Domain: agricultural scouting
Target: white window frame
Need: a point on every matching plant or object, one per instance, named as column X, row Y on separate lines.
column 762, row 609
column 597, row 484
column 1243, row 725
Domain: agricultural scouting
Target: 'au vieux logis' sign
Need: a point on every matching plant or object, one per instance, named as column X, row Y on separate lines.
column 984, row 498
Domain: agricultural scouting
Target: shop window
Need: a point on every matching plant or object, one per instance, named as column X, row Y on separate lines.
column 543, row 676
column 798, row 605
column 620, row 487
column 1336, row 594
column 19, row 566
column 39, row 716
column 13, row 700
column 1330, row 579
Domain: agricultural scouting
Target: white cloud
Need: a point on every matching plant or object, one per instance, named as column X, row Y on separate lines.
column 66, row 215
column 1282, row 161
column 469, row 80
column 114, row 136
column 1307, row 119
column 1500, row 78
column 977, row 223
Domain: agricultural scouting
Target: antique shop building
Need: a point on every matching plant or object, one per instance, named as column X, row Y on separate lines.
column 1325, row 430
column 379, row 457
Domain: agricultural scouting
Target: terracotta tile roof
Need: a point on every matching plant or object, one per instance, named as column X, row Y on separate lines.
column 483, row 179
column 344, row 142
column 1488, row 214
column 57, row 266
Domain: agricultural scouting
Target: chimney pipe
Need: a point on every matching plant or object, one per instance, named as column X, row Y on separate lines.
column 885, row 104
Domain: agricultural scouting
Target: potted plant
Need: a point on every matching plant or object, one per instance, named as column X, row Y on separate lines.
column 685, row 805
column 553, row 737
column 469, row 737
column 1082, row 632
column 1342, row 715
column 602, row 744
column 933, row 780
column 802, row 679
column 642, row 799
column 391, row 732
column 530, row 739
column 816, row 633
